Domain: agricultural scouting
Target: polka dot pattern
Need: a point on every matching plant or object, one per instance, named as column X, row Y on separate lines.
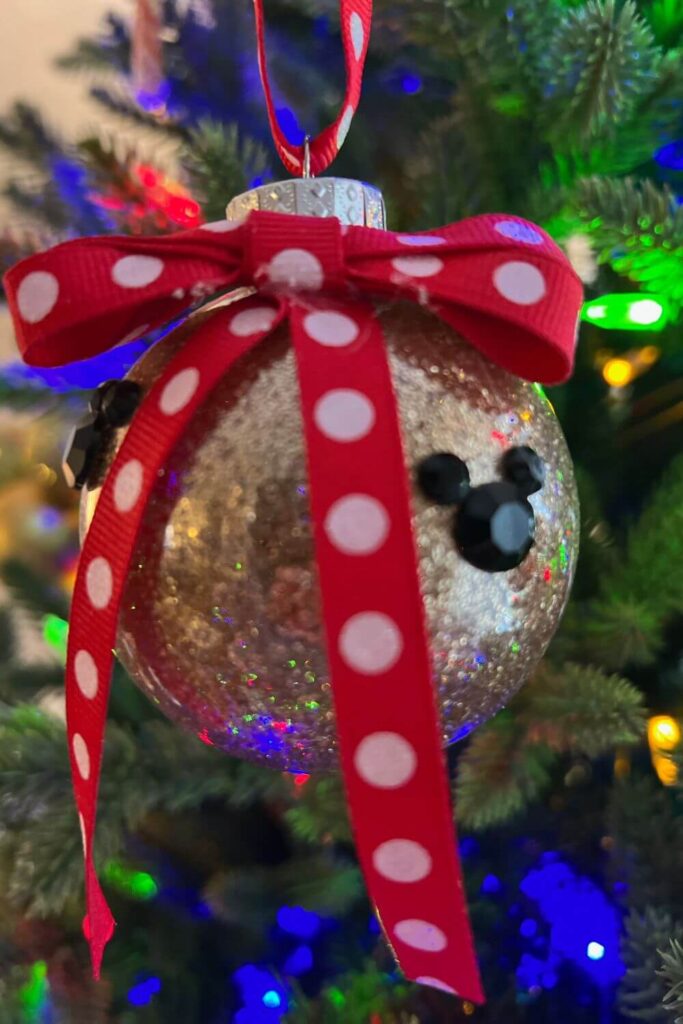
column 37, row 296
column 179, row 391
column 99, row 583
column 425, row 979
column 370, row 643
column 344, row 414
column 84, row 838
column 344, row 125
column 385, row 760
column 357, row 34
column 136, row 271
column 421, row 935
column 86, row 674
column 128, row 485
column 418, row 266
column 296, row 270
column 402, row 860
column 253, row 321
column 519, row 232
column 81, row 756
column 418, row 240
column 519, row 282
column 357, row 524
column 334, row 330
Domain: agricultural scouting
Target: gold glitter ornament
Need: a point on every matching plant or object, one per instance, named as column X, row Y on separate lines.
column 221, row 618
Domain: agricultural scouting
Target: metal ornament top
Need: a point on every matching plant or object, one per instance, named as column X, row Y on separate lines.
column 353, row 202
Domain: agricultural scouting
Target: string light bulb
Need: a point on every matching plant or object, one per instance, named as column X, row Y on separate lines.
column 621, row 370
column 627, row 311
column 664, row 735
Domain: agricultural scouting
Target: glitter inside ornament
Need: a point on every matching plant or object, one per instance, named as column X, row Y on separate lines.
column 221, row 618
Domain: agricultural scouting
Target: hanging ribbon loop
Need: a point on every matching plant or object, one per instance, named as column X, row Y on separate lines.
column 356, row 23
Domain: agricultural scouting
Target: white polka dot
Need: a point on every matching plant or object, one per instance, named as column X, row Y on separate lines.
column 519, row 282
column 136, row 271
column 179, row 391
column 219, row 226
column 81, row 822
column 137, row 332
column 519, row 231
column 99, row 582
column 418, row 266
column 81, row 756
column 335, row 330
column 424, row 979
column 421, row 935
column 370, row 642
column 128, row 485
column 85, row 670
column 357, row 524
column 357, row 34
column 253, row 321
column 402, row 860
column 344, row 415
column 385, row 760
column 344, row 125
column 297, row 269
column 37, row 295
column 418, row 240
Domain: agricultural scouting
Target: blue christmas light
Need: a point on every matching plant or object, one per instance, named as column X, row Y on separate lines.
column 271, row 999
column 298, row 962
column 491, row 885
column 584, row 924
column 671, row 155
column 304, row 924
column 528, row 928
column 411, row 83
column 290, row 126
column 143, row 993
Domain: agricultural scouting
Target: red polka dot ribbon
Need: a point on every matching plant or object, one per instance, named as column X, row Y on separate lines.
column 505, row 286
column 356, row 21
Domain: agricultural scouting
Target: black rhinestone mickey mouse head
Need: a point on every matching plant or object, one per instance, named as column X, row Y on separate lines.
column 112, row 405
column 494, row 525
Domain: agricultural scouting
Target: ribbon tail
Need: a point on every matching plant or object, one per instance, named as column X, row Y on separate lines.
column 388, row 723
column 205, row 357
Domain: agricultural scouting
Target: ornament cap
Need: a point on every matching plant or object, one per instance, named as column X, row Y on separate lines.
column 352, row 202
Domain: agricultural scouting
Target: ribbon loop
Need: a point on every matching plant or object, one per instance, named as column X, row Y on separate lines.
column 356, row 22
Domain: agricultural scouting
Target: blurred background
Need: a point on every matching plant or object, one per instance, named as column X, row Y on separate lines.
column 236, row 888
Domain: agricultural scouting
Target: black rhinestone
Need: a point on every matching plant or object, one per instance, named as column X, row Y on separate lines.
column 494, row 528
column 82, row 448
column 443, row 478
column 115, row 401
column 524, row 468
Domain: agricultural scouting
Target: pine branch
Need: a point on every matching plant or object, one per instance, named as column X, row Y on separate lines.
column 221, row 164
column 367, row 994
column 320, row 812
column 601, row 61
column 499, row 775
column 637, row 229
column 672, row 976
column 580, row 709
column 642, row 990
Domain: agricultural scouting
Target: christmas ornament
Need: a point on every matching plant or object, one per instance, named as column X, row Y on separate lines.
column 334, row 488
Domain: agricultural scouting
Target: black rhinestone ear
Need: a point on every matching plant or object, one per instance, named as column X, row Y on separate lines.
column 494, row 527
column 82, row 447
column 115, row 401
column 524, row 468
column 443, row 478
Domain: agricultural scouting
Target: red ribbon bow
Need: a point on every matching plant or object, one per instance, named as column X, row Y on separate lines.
column 504, row 285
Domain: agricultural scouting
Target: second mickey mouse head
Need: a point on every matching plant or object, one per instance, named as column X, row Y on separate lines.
column 494, row 525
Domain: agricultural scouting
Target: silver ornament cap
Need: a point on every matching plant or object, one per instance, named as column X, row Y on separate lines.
column 351, row 202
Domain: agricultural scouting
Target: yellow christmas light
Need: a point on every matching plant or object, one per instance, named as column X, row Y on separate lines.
column 664, row 735
column 618, row 372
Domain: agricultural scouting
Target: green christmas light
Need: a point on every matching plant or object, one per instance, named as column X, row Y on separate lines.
column 627, row 312
column 33, row 995
column 138, row 885
column 55, row 631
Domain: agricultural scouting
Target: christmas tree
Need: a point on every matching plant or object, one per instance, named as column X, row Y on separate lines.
column 236, row 889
